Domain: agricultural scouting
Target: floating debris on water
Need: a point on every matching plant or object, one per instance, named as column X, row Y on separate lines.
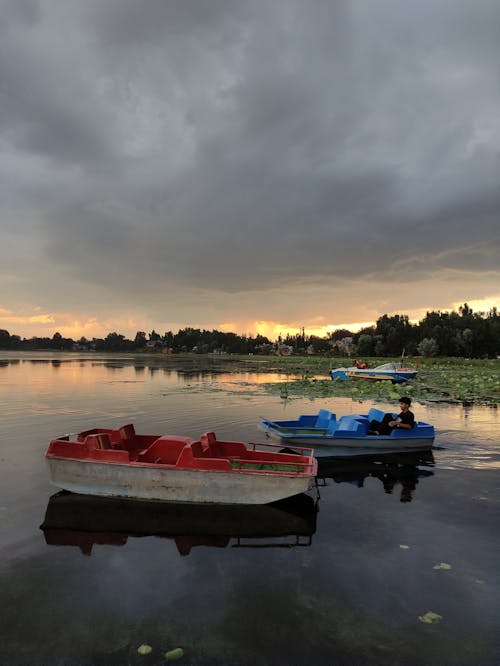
column 403, row 546
column 442, row 565
column 144, row 649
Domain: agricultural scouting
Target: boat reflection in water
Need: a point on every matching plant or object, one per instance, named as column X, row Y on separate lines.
column 398, row 472
column 85, row 521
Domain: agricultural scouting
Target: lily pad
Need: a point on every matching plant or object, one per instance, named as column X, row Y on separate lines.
column 173, row 655
column 430, row 617
column 144, row 649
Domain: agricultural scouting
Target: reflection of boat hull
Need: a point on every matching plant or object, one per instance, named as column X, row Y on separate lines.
column 328, row 435
column 80, row 520
column 401, row 470
column 367, row 463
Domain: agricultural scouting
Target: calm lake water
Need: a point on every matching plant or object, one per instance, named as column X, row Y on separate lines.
column 340, row 581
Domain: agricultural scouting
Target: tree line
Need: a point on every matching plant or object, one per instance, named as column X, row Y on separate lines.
column 462, row 334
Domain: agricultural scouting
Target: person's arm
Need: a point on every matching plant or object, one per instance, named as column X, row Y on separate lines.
column 394, row 423
column 403, row 421
column 407, row 421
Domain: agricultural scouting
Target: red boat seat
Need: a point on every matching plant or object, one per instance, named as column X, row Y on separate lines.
column 164, row 450
column 211, row 447
column 127, row 432
column 98, row 441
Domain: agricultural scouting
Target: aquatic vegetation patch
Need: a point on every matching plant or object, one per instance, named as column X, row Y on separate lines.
column 451, row 380
column 144, row 649
column 430, row 617
column 175, row 654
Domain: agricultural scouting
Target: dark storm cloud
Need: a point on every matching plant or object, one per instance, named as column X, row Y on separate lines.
column 245, row 146
column 47, row 108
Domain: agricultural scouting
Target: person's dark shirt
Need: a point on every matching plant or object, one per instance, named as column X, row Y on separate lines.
column 407, row 417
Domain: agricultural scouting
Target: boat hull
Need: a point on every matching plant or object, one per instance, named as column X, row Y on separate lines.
column 328, row 446
column 388, row 372
column 374, row 376
column 130, row 481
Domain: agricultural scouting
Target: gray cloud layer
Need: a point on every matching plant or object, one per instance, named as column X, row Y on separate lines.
column 196, row 148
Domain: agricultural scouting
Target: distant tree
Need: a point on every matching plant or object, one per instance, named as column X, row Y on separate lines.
column 168, row 339
column 140, row 339
column 5, row 341
column 319, row 345
column 58, row 342
column 428, row 347
column 15, row 342
column 116, row 342
column 365, row 345
column 379, row 345
column 340, row 334
column 396, row 331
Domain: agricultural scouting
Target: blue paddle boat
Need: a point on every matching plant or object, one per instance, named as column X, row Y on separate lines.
column 329, row 435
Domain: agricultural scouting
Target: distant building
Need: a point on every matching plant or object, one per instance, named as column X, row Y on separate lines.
column 284, row 350
column 345, row 345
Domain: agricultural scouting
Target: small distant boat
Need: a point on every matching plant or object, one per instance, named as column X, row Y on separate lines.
column 121, row 463
column 85, row 521
column 327, row 434
column 388, row 371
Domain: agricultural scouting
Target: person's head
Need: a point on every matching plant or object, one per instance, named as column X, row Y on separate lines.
column 404, row 403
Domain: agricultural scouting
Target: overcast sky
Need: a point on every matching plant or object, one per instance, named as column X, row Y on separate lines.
column 246, row 165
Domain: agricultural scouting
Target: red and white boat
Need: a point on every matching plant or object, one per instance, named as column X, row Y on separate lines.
column 121, row 463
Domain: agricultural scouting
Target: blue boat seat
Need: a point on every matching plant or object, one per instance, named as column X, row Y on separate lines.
column 349, row 426
column 425, row 429
column 375, row 414
column 324, row 419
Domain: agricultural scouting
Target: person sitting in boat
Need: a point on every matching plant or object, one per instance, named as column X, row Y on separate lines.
column 405, row 420
column 360, row 365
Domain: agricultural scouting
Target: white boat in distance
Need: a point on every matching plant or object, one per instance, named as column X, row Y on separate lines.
column 388, row 371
